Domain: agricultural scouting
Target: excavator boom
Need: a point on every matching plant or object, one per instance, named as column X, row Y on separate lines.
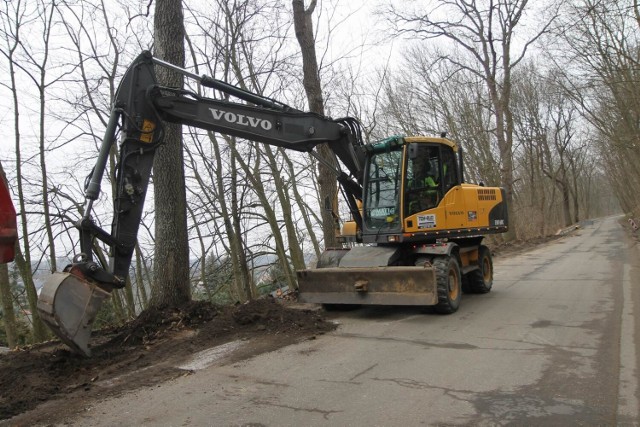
column 70, row 300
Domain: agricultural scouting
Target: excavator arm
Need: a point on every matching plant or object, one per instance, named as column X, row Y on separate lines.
column 142, row 106
column 70, row 300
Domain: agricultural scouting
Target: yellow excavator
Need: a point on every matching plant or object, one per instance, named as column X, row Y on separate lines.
column 415, row 236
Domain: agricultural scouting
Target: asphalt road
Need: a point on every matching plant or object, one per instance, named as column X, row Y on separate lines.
column 555, row 343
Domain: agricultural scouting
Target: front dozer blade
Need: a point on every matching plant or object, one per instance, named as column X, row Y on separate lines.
column 68, row 304
column 369, row 285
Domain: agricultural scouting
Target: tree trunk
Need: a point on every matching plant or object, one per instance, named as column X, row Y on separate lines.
column 43, row 149
column 566, row 199
column 254, row 175
column 171, row 261
column 295, row 251
column 229, row 210
column 39, row 331
column 256, row 178
column 202, row 263
column 140, row 285
column 301, row 205
column 23, row 261
column 246, row 277
column 129, row 298
column 327, row 182
column 6, row 298
column 575, row 192
column 504, row 137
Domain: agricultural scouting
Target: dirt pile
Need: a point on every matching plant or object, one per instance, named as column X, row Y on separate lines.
column 141, row 353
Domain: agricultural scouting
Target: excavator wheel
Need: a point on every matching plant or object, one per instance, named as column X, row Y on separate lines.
column 449, row 284
column 480, row 281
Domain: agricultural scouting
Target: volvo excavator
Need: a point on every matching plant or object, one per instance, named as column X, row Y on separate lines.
column 415, row 232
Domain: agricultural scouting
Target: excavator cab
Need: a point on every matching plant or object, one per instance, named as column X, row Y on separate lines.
column 407, row 178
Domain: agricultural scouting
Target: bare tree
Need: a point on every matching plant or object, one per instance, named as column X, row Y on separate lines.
column 98, row 49
column 306, row 212
column 428, row 98
column 562, row 134
column 530, row 129
column 171, row 261
column 214, row 160
column 39, row 60
column 601, row 74
column 213, row 202
column 328, row 188
column 248, row 199
column 14, row 17
column 485, row 33
column 553, row 150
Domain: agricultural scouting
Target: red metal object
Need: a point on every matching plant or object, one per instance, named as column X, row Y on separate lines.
column 8, row 225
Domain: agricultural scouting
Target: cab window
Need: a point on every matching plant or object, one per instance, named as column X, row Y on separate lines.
column 431, row 173
column 449, row 176
column 423, row 190
column 382, row 190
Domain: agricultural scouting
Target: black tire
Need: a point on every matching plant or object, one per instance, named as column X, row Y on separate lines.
column 449, row 283
column 466, row 289
column 480, row 281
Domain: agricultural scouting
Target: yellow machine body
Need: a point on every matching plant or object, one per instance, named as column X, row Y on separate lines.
column 418, row 215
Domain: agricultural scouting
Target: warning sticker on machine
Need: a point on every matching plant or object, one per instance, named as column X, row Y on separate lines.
column 427, row 221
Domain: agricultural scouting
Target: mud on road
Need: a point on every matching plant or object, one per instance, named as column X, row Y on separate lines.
column 48, row 383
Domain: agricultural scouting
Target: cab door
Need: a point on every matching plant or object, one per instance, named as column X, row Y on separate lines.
column 454, row 201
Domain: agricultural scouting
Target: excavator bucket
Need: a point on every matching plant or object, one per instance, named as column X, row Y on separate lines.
column 369, row 285
column 68, row 304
